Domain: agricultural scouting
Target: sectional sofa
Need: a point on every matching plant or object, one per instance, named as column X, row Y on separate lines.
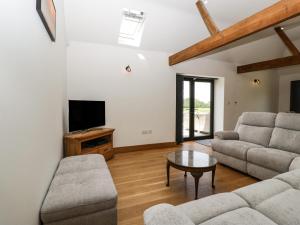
column 262, row 144
column 270, row 202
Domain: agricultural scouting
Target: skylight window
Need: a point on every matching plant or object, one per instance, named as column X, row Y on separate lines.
column 132, row 27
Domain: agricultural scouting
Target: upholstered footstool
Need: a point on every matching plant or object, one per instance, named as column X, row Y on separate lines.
column 82, row 192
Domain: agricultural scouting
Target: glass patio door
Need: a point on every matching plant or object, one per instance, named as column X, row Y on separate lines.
column 197, row 108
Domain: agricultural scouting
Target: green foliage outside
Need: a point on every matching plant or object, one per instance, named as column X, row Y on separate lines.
column 198, row 104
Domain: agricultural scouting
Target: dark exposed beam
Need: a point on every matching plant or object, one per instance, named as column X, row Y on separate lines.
column 271, row 16
column 270, row 64
column 210, row 24
column 289, row 44
column 275, row 63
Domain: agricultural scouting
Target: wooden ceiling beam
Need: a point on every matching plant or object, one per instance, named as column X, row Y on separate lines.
column 275, row 63
column 289, row 44
column 270, row 64
column 210, row 24
column 271, row 16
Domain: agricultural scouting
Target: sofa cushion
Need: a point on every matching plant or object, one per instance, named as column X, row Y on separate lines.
column 288, row 140
column 227, row 135
column 165, row 214
column 295, row 165
column 237, row 149
column 260, row 172
column 255, row 134
column 271, row 158
column 292, row 178
column 238, row 123
column 76, row 194
column 106, row 217
column 290, row 121
column 258, row 119
column 257, row 193
column 243, row 216
column 81, row 163
column 233, row 162
column 206, row 208
column 283, row 209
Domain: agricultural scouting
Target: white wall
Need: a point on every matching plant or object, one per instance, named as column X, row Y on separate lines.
column 286, row 75
column 32, row 79
column 137, row 101
column 219, row 104
column 145, row 99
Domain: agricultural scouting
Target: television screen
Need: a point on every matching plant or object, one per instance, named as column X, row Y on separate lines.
column 86, row 114
column 295, row 96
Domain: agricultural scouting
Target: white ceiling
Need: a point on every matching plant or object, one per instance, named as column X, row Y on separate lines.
column 171, row 25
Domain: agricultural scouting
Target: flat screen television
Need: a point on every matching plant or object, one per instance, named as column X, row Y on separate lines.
column 84, row 115
column 295, row 96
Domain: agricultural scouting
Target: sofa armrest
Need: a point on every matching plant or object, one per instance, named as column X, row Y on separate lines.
column 227, row 135
column 165, row 214
column 295, row 164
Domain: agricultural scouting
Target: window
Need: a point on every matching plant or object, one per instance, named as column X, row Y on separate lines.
column 132, row 27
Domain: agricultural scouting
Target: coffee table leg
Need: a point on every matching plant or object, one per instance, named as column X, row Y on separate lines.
column 197, row 177
column 185, row 175
column 213, row 177
column 168, row 174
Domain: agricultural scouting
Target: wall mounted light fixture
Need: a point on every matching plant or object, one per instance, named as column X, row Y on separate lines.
column 128, row 69
column 256, row 82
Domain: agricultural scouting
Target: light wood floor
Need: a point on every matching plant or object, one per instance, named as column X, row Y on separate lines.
column 140, row 179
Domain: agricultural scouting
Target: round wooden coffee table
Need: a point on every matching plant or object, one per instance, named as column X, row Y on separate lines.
column 193, row 162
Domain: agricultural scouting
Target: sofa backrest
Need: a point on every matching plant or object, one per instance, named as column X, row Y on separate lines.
column 238, row 124
column 256, row 127
column 286, row 134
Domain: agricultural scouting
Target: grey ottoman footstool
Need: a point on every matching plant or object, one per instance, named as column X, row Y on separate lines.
column 82, row 192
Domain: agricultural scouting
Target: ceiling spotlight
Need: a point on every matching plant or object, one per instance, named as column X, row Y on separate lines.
column 141, row 56
column 128, row 69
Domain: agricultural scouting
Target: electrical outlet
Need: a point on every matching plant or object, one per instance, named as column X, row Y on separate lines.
column 145, row 132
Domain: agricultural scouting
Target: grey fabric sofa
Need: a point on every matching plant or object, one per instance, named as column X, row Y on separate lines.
column 82, row 192
column 262, row 144
column 270, row 202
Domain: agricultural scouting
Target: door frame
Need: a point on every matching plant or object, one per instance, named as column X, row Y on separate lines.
column 179, row 107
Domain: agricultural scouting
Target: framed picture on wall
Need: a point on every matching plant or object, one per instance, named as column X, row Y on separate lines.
column 47, row 12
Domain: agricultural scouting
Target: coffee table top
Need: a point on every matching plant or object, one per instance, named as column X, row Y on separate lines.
column 191, row 159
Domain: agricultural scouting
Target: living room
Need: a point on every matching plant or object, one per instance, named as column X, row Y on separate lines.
column 83, row 55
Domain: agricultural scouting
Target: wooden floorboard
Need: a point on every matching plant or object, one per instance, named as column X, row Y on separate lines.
column 140, row 179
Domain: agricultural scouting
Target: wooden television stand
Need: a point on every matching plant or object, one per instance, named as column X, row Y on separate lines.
column 94, row 141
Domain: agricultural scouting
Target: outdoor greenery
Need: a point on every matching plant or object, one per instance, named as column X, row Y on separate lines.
column 198, row 103
column 200, row 106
